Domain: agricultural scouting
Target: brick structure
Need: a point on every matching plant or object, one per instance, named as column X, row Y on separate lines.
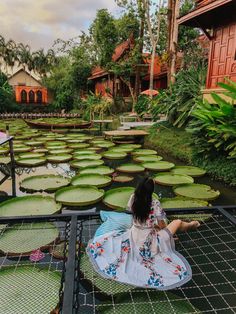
column 28, row 89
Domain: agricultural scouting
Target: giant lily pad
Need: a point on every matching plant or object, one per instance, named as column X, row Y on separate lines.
column 97, row 180
column 170, row 179
column 144, row 152
column 158, row 165
column 34, row 143
column 89, row 156
column 83, row 152
column 59, row 158
column 114, row 155
column 100, row 169
column 190, row 217
column 31, row 162
column 61, row 151
column 29, row 205
column 24, row 238
column 33, row 289
column 22, row 149
column 189, row 170
column 104, row 144
column 40, row 150
column 74, row 140
column 182, row 202
column 199, row 191
column 44, row 183
column 130, row 146
column 132, row 168
column 78, row 145
column 86, row 163
column 79, row 195
column 56, row 143
column 122, row 179
column 31, row 155
column 119, row 149
column 118, row 198
column 147, row 158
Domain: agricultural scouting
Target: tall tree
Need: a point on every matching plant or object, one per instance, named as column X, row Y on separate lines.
column 153, row 25
column 104, row 33
column 173, row 14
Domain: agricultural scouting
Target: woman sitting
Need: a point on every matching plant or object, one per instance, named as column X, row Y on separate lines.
column 143, row 255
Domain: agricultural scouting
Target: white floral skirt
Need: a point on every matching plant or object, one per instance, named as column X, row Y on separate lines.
column 150, row 263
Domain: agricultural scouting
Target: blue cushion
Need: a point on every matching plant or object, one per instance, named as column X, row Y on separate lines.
column 113, row 221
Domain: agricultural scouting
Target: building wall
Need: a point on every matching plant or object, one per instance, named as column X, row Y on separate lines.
column 222, row 57
column 27, row 90
column 22, row 78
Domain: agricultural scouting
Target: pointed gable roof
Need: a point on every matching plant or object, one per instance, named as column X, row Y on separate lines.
column 27, row 73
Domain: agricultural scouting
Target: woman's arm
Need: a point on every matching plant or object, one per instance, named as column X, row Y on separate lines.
column 130, row 203
column 161, row 219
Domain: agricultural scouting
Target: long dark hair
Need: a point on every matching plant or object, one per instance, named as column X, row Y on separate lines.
column 143, row 199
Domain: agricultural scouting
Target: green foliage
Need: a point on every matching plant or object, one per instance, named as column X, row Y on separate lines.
column 60, row 83
column 7, row 102
column 173, row 142
column 68, row 79
column 142, row 105
column 104, row 34
column 96, row 106
column 218, row 167
column 169, row 140
column 187, row 35
column 178, row 101
column 214, row 126
column 126, row 25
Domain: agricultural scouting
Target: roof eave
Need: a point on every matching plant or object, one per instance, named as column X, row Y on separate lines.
column 192, row 19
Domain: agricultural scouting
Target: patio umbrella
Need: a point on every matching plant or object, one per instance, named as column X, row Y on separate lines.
column 150, row 92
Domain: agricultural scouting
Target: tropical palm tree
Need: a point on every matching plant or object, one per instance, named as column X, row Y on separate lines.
column 24, row 55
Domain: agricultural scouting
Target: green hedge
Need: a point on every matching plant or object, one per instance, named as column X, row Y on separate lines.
column 176, row 143
column 167, row 139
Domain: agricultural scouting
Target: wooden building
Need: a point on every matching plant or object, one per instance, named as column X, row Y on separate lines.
column 107, row 84
column 217, row 19
column 28, row 90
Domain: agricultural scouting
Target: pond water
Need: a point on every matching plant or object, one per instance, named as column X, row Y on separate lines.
column 18, row 128
column 227, row 196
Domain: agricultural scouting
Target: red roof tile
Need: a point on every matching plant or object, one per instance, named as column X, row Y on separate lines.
column 121, row 48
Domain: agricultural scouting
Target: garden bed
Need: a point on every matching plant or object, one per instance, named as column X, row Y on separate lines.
column 176, row 143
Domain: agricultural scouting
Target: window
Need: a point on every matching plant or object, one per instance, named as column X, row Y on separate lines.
column 39, row 97
column 31, row 96
column 23, row 96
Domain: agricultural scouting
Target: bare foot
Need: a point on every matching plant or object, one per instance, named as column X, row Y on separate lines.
column 194, row 224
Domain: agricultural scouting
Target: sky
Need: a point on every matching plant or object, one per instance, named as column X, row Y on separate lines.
column 39, row 22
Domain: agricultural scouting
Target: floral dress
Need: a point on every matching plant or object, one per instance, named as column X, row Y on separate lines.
column 142, row 256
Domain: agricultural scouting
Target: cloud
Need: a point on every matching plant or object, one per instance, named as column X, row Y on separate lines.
column 39, row 23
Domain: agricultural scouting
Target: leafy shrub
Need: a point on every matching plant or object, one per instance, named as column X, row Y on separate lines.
column 214, row 126
column 178, row 101
column 7, row 101
column 142, row 105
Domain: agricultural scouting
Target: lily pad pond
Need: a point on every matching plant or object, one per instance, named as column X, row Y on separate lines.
column 70, row 156
column 79, row 184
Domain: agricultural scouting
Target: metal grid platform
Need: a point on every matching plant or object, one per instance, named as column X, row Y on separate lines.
column 210, row 250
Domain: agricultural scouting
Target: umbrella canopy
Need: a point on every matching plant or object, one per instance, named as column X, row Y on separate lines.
column 150, row 92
